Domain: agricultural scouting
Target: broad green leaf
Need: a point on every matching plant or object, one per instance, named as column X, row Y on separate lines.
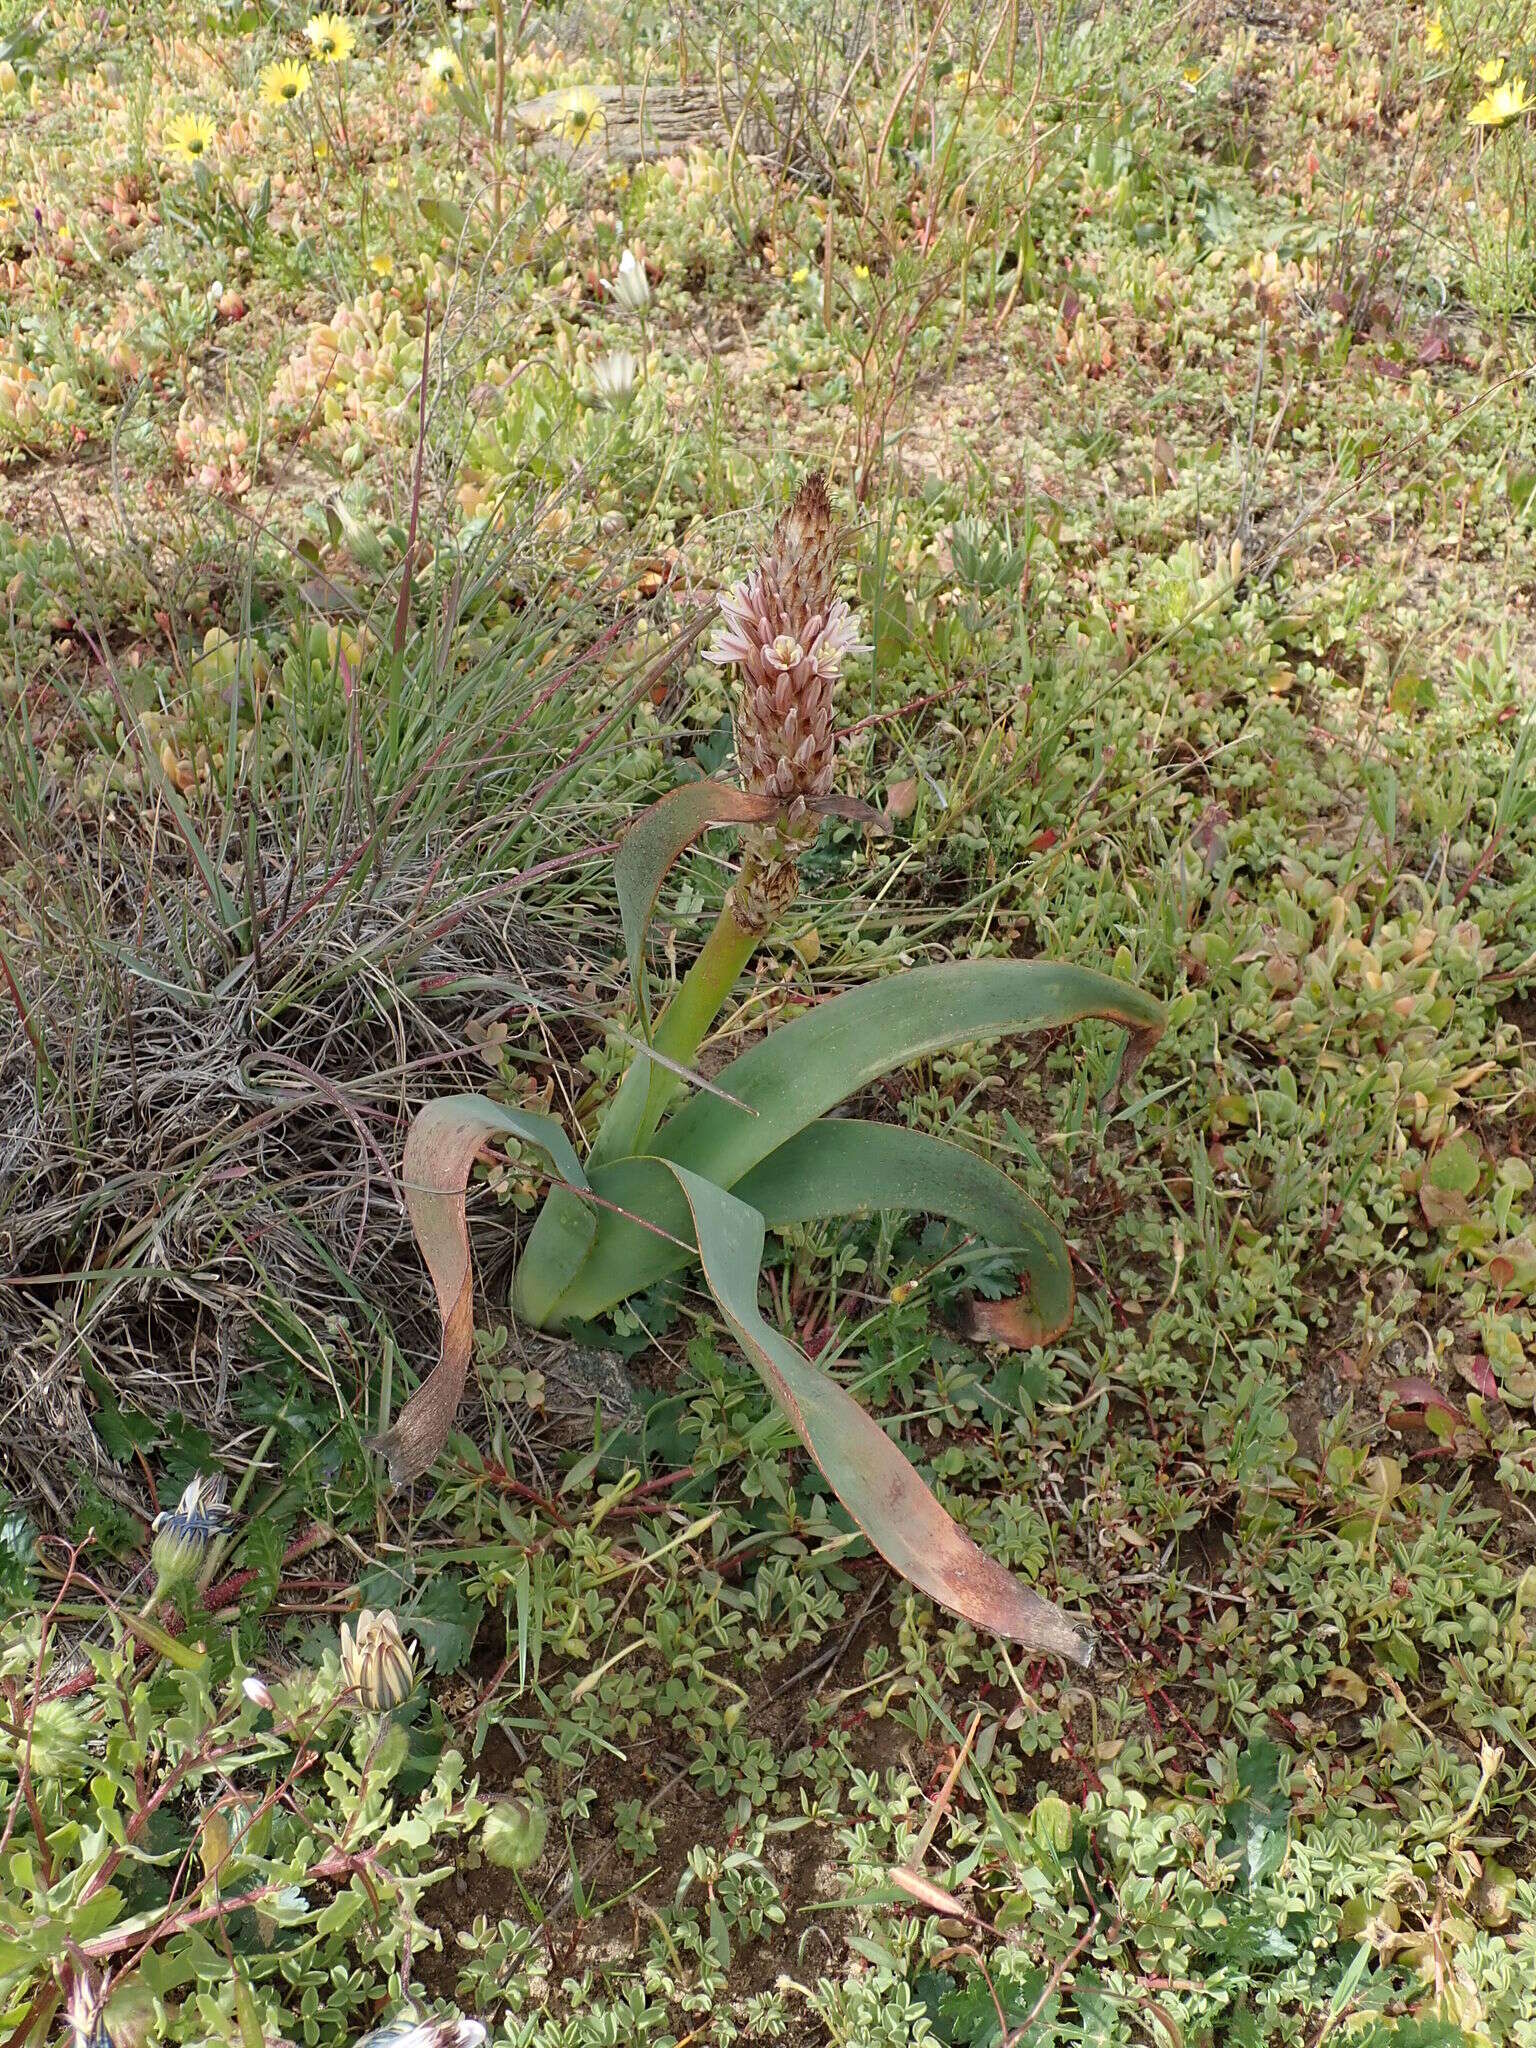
column 804, row 1069
column 839, row 1167
column 847, row 1167
column 1258, row 1822
column 867, row 1472
column 646, row 853
column 439, row 1153
column 563, row 1232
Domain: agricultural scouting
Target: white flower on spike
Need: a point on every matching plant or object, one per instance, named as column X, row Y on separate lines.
column 788, row 634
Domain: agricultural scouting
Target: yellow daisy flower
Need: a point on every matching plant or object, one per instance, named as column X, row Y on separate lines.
column 1491, row 72
column 1434, row 34
column 189, row 138
column 580, row 114
column 443, row 66
column 330, row 38
column 1498, row 108
column 283, row 82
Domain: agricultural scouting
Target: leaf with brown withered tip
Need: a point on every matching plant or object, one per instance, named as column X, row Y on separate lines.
column 868, row 1473
column 443, row 1144
column 1015, row 1320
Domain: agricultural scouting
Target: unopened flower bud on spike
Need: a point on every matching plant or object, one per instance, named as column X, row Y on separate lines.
column 788, row 633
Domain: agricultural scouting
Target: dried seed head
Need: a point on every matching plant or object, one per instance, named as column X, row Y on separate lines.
column 788, row 633
column 375, row 1664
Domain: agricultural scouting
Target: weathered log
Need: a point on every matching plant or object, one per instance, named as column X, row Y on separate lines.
column 637, row 124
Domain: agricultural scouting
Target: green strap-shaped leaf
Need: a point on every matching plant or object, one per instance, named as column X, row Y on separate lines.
column 867, row 1472
column 804, row 1069
column 439, row 1152
column 846, row 1167
column 840, row 1167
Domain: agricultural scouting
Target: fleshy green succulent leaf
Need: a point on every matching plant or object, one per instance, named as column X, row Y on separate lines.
column 847, row 1167
column 439, row 1152
column 804, row 1069
column 865, row 1469
column 838, row 1167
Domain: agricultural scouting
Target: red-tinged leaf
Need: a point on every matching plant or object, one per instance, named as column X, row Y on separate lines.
column 901, row 798
column 851, row 809
column 866, row 1471
column 1478, row 1373
column 933, row 1896
column 440, row 1150
column 1512, row 1266
column 1443, row 1207
column 1016, row 1321
column 1437, row 346
column 1411, row 1403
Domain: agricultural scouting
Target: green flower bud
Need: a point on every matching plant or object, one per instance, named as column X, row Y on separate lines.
column 512, row 1834
column 183, row 1533
column 1053, row 1823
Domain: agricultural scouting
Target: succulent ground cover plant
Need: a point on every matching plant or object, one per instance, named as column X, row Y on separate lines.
column 665, row 1186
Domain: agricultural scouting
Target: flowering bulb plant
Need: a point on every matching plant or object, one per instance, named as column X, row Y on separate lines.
column 665, row 1185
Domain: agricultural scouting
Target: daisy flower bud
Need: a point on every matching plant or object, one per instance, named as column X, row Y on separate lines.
column 631, row 289
column 375, row 1663
column 183, row 1533
column 407, row 2030
column 613, row 377
column 85, row 2011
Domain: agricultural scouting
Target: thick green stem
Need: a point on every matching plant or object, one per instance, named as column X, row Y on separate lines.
column 702, row 996
column 641, row 1102
column 562, row 1234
